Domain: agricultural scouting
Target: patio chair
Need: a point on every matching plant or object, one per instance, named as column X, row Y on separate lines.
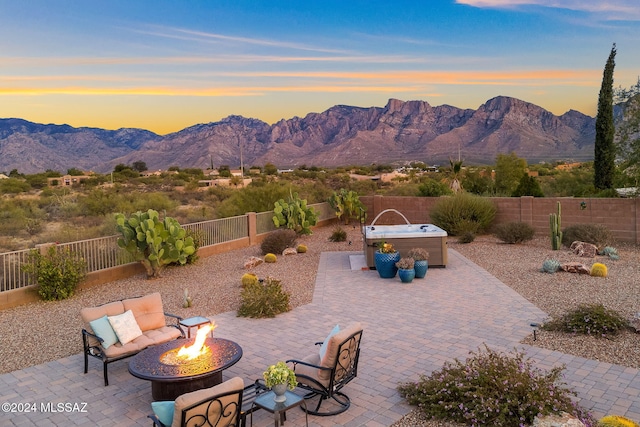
column 217, row 406
column 324, row 375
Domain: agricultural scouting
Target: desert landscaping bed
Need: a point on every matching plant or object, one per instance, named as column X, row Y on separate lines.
column 214, row 284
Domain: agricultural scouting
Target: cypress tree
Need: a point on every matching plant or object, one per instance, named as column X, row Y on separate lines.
column 604, row 155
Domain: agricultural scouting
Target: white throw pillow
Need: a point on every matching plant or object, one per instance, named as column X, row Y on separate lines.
column 125, row 327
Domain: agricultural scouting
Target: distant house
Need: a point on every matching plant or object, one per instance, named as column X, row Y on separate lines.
column 66, row 180
column 568, row 166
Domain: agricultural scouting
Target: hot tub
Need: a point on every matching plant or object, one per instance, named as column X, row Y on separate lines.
column 405, row 237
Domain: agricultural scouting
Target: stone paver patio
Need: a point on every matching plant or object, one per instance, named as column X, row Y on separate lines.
column 409, row 329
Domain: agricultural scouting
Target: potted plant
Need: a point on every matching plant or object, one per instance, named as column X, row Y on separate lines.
column 421, row 258
column 279, row 378
column 385, row 259
column 405, row 269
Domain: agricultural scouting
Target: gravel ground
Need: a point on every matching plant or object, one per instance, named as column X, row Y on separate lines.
column 214, row 284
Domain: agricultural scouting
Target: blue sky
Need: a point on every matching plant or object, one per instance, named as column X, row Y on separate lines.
column 166, row 65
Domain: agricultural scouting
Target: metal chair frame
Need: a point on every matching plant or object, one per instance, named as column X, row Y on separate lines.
column 223, row 412
column 342, row 372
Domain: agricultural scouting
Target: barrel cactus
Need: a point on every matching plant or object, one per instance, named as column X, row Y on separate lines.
column 598, row 270
column 617, row 421
column 302, row 249
column 270, row 258
column 550, row 265
column 249, row 279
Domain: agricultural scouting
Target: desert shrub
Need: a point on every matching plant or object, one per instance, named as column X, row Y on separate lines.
column 338, row 235
column 492, row 389
column 588, row 319
column 595, row 234
column 514, row 232
column 278, row 240
column 57, row 273
column 265, row 299
column 462, row 213
column 467, row 237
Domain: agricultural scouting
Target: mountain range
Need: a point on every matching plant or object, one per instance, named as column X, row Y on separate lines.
column 342, row 135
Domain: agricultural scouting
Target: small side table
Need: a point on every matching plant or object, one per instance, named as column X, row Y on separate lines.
column 278, row 409
column 194, row 322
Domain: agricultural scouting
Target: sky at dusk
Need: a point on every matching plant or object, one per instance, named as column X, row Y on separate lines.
column 166, row 65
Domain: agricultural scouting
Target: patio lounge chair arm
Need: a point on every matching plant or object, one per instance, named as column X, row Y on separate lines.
column 300, row 362
column 87, row 333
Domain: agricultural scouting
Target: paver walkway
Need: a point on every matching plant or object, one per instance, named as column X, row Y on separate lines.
column 409, row 329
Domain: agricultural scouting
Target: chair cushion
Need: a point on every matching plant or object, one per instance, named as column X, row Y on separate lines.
column 147, row 310
column 330, row 358
column 163, row 410
column 125, row 327
column 325, row 343
column 102, row 328
column 188, row 399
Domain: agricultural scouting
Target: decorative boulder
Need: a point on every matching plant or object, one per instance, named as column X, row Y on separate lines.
column 635, row 322
column 575, row 267
column 562, row 420
column 252, row 262
column 289, row 251
column 584, row 249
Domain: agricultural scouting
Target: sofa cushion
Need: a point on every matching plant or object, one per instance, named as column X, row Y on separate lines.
column 102, row 328
column 188, row 399
column 89, row 314
column 92, row 313
column 147, row 310
column 125, row 326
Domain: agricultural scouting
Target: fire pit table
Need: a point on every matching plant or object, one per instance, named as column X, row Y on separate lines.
column 172, row 376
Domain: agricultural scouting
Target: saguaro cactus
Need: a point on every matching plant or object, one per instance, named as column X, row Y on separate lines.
column 555, row 225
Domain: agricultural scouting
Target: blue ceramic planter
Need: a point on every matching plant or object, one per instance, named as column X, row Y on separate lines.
column 421, row 268
column 406, row 275
column 386, row 264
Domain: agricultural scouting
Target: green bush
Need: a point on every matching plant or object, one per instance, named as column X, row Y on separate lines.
column 466, row 237
column 338, row 235
column 514, row 232
column 57, row 273
column 462, row 213
column 278, row 240
column 490, row 389
column 596, row 234
column 265, row 299
column 589, row 319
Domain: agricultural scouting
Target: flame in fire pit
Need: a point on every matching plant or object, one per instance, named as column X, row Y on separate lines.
column 198, row 347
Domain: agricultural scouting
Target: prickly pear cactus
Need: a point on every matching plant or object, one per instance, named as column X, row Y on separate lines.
column 294, row 214
column 153, row 242
column 550, row 265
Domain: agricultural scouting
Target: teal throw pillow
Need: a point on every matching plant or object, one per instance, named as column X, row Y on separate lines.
column 325, row 343
column 102, row 328
column 164, row 411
